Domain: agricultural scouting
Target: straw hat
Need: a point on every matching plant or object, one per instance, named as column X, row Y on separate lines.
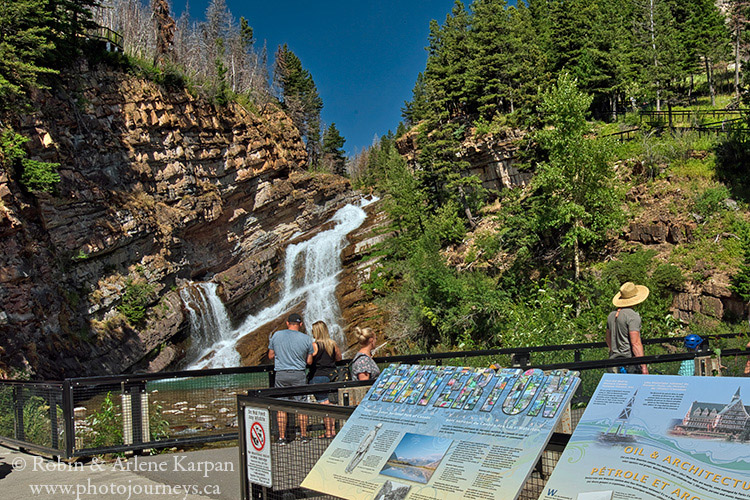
column 630, row 294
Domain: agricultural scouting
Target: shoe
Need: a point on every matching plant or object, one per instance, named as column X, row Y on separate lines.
column 282, row 442
column 305, row 439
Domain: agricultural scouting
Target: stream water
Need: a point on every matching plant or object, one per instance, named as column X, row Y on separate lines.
column 311, row 273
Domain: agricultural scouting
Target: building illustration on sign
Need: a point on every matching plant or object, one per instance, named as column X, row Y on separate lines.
column 717, row 420
column 658, row 437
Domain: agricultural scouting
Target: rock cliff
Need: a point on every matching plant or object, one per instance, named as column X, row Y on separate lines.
column 157, row 186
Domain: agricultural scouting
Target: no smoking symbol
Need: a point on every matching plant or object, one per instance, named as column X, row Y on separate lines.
column 257, row 436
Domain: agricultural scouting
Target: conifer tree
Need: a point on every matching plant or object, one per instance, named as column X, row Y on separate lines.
column 25, row 42
column 662, row 51
column 488, row 79
column 333, row 155
column 165, row 27
column 706, row 37
column 526, row 68
column 70, row 20
column 300, row 99
column 418, row 108
column 739, row 16
column 447, row 65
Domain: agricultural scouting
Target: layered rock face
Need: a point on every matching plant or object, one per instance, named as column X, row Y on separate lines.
column 492, row 158
column 157, row 187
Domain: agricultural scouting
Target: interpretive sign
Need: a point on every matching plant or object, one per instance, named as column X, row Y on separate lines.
column 658, row 437
column 258, row 451
column 442, row 432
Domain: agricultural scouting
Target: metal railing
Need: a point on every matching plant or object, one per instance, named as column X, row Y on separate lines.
column 111, row 414
column 96, row 415
column 106, row 35
column 683, row 114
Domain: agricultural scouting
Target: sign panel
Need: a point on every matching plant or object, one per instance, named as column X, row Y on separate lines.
column 258, row 447
column 658, row 437
column 444, row 432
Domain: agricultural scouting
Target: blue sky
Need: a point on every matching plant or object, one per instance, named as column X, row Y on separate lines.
column 363, row 56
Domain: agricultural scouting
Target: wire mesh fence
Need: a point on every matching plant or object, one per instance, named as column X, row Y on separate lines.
column 32, row 413
column 142, row 412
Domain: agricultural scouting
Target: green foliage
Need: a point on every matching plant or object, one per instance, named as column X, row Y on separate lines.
column 576, row 196
column 26, row 40
column 711, row 200
column 7, row 418
column 159, row 428
column 300, row 98
column 105, row 424
column 36, row 422
column 34, row 175
column 333, row 155
column 136, row 297
column 732, row 157
column 39, row 175
column 222, row 88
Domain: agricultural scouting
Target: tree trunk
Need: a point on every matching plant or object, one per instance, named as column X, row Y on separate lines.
column 669, row 111
column 710, row 80
column 737, row 61
column 653, row 48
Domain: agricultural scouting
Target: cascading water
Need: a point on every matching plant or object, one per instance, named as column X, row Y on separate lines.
column 209, row 320
column 311, row 270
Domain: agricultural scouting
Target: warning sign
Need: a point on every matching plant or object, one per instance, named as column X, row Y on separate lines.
column 258, row 451
column 257, row 436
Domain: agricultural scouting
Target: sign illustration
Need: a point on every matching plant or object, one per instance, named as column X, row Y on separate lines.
column 444, row 432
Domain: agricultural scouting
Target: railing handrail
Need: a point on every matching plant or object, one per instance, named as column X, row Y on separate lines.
column 530, row 350
column 137, row 377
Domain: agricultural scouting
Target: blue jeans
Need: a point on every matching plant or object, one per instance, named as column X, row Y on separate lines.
column 320, row 379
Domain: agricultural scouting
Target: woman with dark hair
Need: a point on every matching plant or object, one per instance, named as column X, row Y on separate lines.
column 323, row 368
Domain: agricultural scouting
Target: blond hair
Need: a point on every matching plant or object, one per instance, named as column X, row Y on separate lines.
column 323, row 338
column 364, row 335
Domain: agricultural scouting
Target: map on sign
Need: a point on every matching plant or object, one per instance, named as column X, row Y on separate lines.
column 444, row 432
column 658, row 437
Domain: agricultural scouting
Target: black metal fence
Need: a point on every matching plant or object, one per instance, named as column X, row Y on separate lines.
column 690, row 114
column 97, row 415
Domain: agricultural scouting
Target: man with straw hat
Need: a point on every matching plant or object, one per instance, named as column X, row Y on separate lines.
column 624, row 327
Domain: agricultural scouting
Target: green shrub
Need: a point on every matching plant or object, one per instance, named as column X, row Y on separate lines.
column 35, row 175
column 710, row 201
column 134, row 301
column 106, row 424
column 732, row 158
column 36, row 423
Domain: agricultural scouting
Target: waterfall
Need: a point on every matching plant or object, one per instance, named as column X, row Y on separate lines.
column 311, row 272
column 209, row 321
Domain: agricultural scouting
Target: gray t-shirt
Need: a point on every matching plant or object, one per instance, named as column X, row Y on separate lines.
column 290, row 349
column 619, row 327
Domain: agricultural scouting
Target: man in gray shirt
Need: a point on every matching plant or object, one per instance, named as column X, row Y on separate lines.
column 291, row 351
column 624, row 327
